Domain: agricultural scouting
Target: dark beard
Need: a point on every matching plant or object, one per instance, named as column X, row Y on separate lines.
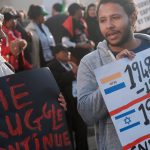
column 126, row 37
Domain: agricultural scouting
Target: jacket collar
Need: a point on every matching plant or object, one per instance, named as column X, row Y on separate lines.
column 106, row 54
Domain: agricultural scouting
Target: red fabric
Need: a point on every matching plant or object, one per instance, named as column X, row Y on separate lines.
column 68, row 25
column 6, row 53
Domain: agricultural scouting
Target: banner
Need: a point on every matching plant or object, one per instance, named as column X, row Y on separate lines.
column 125, row 86
column 143, row 20
column 30, row 115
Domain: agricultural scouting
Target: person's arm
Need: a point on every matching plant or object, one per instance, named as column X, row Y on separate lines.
column 90, row 102
column 62, row 102
column 66, row 42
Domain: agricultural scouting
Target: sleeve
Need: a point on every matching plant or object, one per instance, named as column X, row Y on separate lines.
column 66, row 41
column 90, row 102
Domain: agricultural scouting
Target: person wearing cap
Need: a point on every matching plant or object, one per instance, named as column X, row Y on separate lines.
column 13, row 47
column 4, row 69
column 7, row 69
column 64, row 72
column 75, row 34
column 42, row 40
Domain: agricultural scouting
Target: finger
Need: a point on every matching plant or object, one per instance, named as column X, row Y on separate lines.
column 125, row 53
column 61, row 100
column 63, row 106
column 61, row 96
column 130, row 55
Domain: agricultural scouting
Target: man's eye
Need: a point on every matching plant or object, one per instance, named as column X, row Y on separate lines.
column 102, row 21
column 116, row 17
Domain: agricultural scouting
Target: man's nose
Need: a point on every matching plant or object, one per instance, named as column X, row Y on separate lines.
column 109, row 23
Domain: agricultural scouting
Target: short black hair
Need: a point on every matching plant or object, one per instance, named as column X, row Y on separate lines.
column 35, row 11
column 9, row 15
column 58, row 48
column 91, row 5
column 58, row 7
column 128, row 5
column 73, row 8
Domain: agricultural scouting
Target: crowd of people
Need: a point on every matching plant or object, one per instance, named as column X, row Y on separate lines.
column 58, row 42
column 30, row 40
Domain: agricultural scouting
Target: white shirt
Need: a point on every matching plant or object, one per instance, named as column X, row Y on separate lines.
column 4, row 69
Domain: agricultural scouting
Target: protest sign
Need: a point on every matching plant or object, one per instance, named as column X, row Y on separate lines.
column 143, row 19
column 125, row 86
column 30, row 115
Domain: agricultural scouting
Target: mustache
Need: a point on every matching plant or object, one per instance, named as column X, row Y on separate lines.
column 111, row 32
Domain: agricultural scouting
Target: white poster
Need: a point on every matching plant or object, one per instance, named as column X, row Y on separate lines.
column 143, row 20
column 125, row 86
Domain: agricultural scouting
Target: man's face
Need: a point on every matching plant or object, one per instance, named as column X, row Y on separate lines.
column 78, row 14
column 115, row 24
column 63, row 56
column 41, row 19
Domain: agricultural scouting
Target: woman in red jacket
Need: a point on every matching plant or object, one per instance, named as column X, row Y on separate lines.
column 12, row 48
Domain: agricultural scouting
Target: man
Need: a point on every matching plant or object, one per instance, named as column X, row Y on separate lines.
column 57, row 9
column 42, row 40
column 117, row 22
column 64, row 73
column 75, row 35
column 4, row 69
column 54, row 23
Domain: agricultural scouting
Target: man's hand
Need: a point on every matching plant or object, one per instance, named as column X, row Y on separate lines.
column 62, row 102
column 74, row 67
column 17, row 46
column 125, row 53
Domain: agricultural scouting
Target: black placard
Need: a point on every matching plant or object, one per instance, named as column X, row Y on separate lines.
column 30, row 115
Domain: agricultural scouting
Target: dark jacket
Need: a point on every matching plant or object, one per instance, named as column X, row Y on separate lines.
column 75, row 123
column 54, row 24
column 93, row 30
column 64, row 80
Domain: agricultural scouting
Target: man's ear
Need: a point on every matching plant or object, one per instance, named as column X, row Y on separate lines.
column 133, row 19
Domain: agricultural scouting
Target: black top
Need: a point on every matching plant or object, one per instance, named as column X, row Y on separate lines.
column 54, row 24
column 94, row 30
column 144, row 45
